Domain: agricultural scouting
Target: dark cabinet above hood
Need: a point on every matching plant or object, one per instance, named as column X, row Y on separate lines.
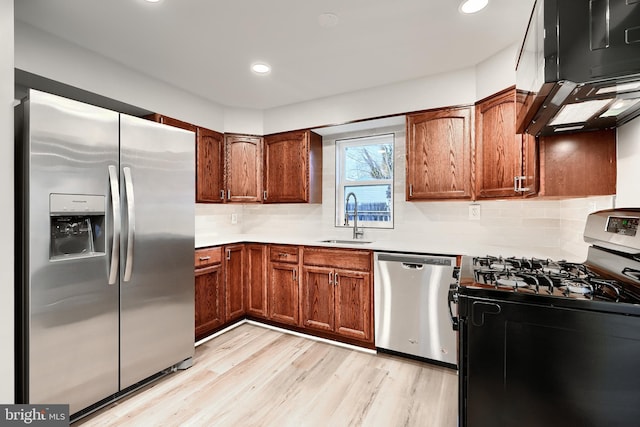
column 579, row 66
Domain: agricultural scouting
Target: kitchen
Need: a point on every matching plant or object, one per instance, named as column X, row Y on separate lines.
column 544, row 228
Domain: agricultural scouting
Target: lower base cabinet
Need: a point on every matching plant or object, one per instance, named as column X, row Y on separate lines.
column 256, row 280
column 209, row 292
column 321, row 291
column 337, row 298
column 283, row 284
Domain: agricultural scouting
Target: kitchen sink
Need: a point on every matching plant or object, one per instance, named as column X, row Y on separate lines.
column 347, row 242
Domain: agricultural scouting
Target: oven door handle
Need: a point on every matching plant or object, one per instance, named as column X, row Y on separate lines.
column 453, row 299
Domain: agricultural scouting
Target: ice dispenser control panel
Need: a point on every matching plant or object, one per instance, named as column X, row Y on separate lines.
column 77, row 226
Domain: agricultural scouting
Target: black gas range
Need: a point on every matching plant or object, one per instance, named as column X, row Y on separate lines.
column 550, row 342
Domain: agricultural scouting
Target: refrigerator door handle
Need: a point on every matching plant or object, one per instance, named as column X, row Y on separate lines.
column 115, row 244
column 131, row 223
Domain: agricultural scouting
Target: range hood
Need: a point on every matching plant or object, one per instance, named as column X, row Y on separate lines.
column 579, row 66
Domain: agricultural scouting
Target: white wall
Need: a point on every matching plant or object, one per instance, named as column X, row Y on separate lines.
column 242, row 120
column 6, row 195
column 497, row 72
column 49, row 56
column 628, row 179
column 453, row 88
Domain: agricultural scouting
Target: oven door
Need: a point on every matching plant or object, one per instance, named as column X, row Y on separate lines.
column 534, row 365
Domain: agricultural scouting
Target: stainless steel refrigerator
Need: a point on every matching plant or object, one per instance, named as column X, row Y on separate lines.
column 104, row 259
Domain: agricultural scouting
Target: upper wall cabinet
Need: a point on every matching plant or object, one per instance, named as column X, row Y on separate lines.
column 505, row 162
column 209, row 159
column 209, row 166
column 293, row 167
column 244, row 168
column 568, row 162
column 439, row 154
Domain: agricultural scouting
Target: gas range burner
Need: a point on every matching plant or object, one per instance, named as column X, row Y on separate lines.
column 548, row 277
column 576, row 286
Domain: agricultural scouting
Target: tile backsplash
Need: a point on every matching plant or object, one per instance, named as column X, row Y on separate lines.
column 531, row 227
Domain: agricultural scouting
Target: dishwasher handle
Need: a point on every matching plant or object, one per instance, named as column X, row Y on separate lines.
column 411, row 266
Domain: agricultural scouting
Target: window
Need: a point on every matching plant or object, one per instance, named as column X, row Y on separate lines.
column 364, row 167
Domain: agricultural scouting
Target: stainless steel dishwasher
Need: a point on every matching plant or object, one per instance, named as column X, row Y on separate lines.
column 411, row 307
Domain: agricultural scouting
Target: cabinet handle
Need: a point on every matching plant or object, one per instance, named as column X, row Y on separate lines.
column 295, row 274
column 228, row 254
column 337, row 281
column 264, row 195
column 228, row 194
column 205, row 258
column 517, row 184
column 282, row 254
column 222, row 194
column 410, row 190
column 331, row 277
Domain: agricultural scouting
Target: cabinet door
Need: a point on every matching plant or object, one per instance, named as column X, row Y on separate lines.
column 209, row 302
column 209, row 166
column 244, row 168
column 353, row 312
column 318, row 298
column 234, row 280
column 283, row 293
column 498, row 147
column 439, row 154
column 256, row 280
column 293, row 167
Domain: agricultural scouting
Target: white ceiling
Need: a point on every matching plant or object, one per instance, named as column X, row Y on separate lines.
column 206, row 46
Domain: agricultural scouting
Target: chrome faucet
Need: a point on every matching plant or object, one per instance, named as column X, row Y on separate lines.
column 357, row 234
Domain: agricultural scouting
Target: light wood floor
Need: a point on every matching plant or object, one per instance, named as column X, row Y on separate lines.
column 252, row 376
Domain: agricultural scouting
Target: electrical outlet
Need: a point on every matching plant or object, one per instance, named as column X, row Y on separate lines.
column 234, row 218
column 474, row 212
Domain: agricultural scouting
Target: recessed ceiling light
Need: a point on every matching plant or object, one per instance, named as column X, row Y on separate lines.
column 473, row 6
column 153, row 1
column 261, row 68
column 328, row 19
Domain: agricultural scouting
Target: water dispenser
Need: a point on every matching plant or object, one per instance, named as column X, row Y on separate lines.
column 77, row 226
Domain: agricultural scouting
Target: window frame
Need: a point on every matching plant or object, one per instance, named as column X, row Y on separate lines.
column 341, row 181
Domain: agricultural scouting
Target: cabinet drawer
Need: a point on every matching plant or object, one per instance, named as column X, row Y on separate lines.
column 347, row 259
column 281, row 253
column 208, row 256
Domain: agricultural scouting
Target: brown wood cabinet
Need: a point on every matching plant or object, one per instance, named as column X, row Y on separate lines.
column 505, row 162
column 256, row 280
column 244, row 168
column 209, row 291
column 209, row 166
column 283, row 284
column 293, row 167
column 568, row 162
column 439, row 154
column 336, row 292
column 234, row 281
